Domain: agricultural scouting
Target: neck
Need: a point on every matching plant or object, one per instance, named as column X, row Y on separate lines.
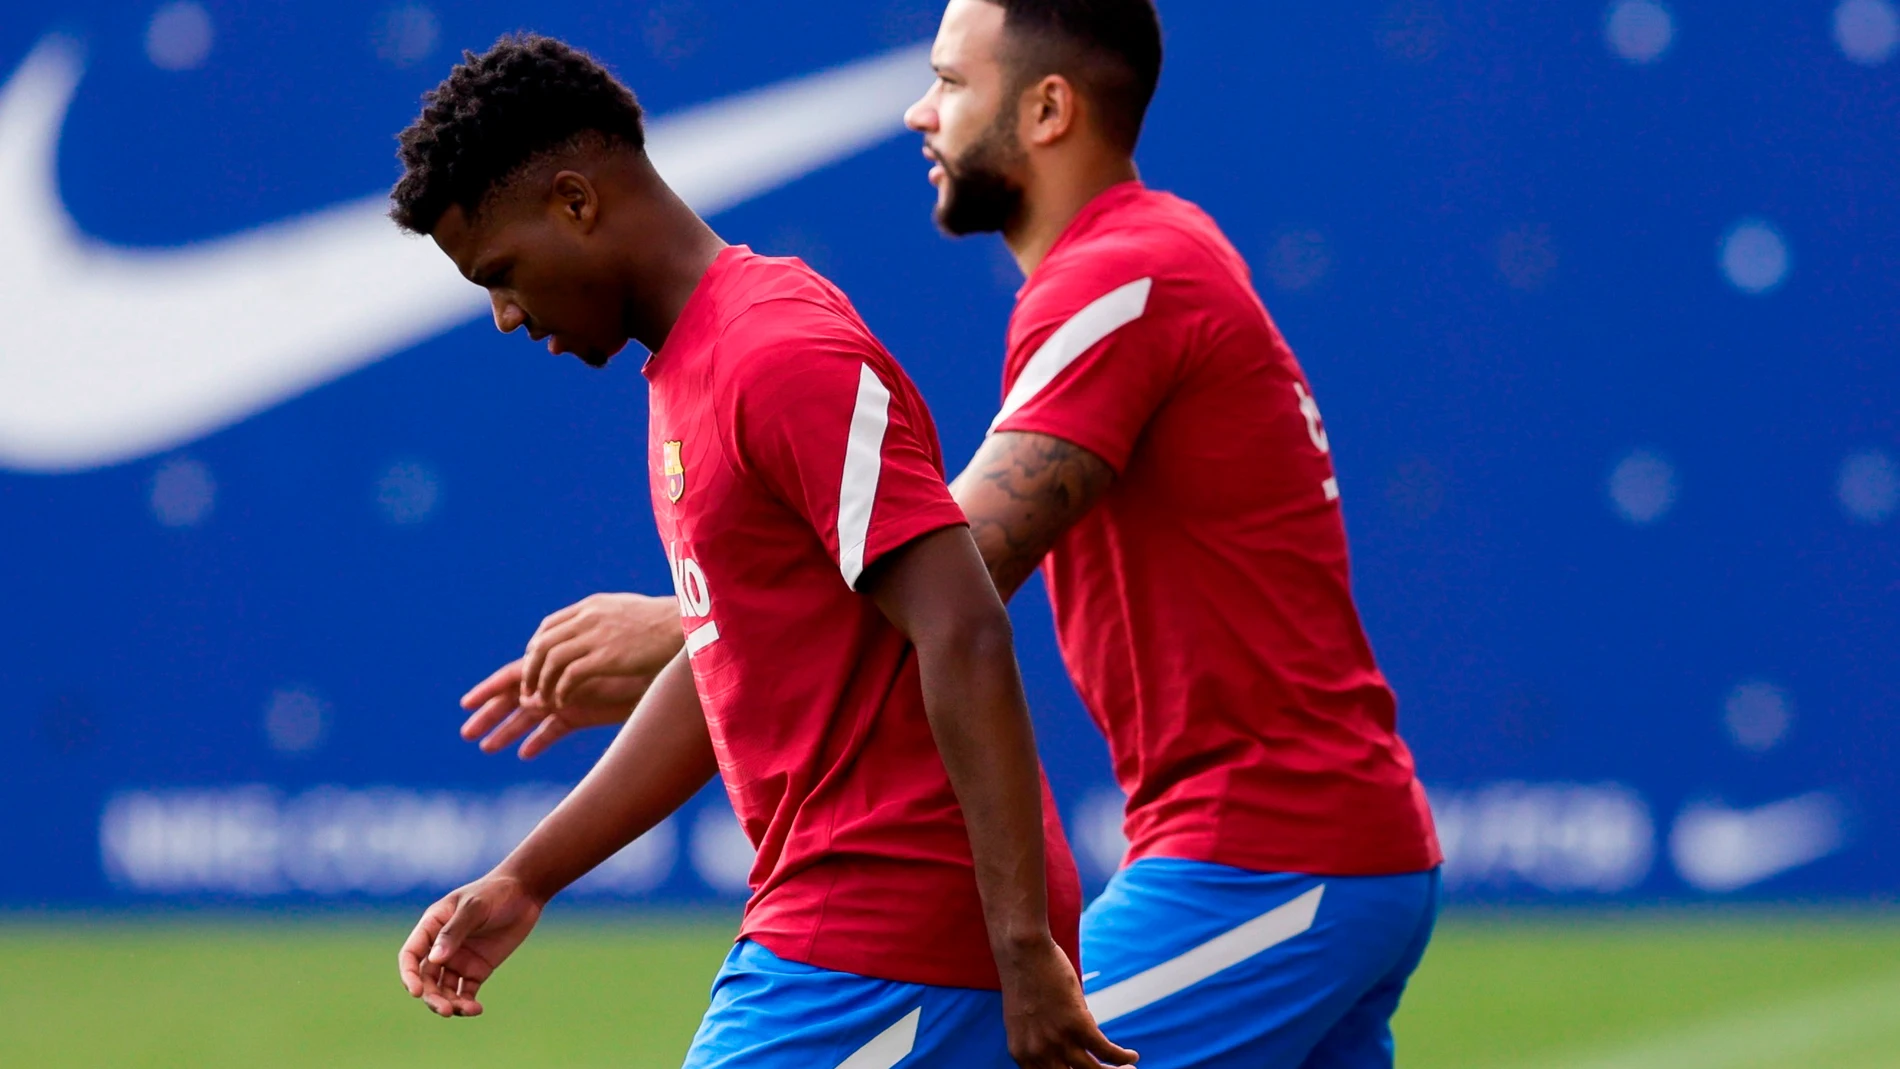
column 1049, row 207
column 669, row 249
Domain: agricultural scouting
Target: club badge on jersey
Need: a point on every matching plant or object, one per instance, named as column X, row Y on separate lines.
column 675, row 472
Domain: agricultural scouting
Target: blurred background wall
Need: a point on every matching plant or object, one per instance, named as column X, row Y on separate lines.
column 1601, row 302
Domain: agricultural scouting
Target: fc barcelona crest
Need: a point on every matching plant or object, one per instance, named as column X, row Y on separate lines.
column 675, row 472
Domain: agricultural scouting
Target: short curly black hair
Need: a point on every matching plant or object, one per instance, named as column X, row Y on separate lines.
column 498, row 112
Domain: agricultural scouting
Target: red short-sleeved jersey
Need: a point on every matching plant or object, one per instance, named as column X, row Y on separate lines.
column 788, row 453
column 1204, row 608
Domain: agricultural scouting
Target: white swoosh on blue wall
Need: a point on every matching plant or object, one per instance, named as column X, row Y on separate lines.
column 109, row 354
column 1719, row 849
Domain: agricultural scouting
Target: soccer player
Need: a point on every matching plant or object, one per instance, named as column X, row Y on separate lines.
column 847, row 669
column 1161, row 457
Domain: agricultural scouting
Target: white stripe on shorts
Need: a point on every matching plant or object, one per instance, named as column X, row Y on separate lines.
column 1224, row 951
column 891, row 1046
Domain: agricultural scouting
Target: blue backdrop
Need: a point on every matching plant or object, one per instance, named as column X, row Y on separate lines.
column 1602, row 303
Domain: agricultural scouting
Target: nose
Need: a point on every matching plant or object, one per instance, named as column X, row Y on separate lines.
column 508, row 316
column 922, row 116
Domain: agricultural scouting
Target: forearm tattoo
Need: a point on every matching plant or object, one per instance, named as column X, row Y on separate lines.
column 1021, row 492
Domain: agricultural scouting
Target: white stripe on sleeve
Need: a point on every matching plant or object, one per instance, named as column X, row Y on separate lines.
column 1103, row 316
column 863, row 463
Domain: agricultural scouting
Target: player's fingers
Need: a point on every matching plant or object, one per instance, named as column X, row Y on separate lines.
column 518, row 724
column 433, row 996
column 502, row 680
column 1099, row 1046
column 415, row 949
column 459, row 990
column 1065, row 1051
column 555, row 632
column 566, row 684
column 567, row 647
column 409, row 963
column 468, row 917
column 1076, row 1056
column 470, row 1005
column 1100, row 1050
column 562, row 615
column 531, row 667
column 534, row 662
column 409, row 972
column 446, row 985
column 492, row 712
column 551, row 731
column 469, row 966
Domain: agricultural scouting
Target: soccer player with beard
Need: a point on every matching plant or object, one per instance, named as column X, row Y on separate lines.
column 1161, row 457
column 847, row 668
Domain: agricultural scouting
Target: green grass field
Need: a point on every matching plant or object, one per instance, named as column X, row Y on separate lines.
column 1765, row 991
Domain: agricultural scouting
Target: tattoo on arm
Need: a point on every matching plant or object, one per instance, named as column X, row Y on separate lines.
column 1021, row 492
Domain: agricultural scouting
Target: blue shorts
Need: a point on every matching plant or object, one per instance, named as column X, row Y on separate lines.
column 1201, row 966
column 769, row 1013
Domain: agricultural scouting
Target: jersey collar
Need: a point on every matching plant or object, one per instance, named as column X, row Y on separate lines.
column 1104, row 202
column 698, row 306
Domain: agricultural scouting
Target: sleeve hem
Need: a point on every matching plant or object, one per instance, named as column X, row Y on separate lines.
column 895, row 537
column 1116, row 457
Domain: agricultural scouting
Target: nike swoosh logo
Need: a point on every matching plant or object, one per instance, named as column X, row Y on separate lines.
column 1718, row 849
column 111, row 354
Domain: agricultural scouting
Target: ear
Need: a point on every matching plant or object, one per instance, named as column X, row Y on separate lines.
column 1051, row 109
column 575, row 200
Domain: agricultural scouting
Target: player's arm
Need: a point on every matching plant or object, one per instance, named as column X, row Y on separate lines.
column 933, row 590
column 588, row 664
column 1021, row 491
column 661, row 758
column 1094, row 352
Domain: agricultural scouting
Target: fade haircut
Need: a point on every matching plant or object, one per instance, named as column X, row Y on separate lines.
column 1111, row 49
column 497, row 114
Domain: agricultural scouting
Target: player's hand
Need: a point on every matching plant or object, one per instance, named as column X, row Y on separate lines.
column 499, row 717
column 1048, row 1018
column 462, row 940
column 629, row 636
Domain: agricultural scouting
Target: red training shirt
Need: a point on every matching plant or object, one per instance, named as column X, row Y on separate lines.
column 1204, row 608
column 788, row 453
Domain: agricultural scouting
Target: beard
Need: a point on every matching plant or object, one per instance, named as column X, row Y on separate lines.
column 979, row 196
